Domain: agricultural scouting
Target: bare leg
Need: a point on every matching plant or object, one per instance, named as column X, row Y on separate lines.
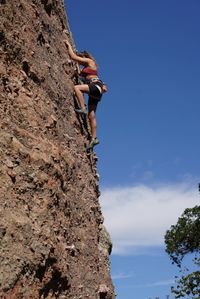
column 92, row 120
column 79, row 91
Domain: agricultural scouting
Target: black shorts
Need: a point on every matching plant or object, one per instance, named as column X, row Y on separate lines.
column 94, row 93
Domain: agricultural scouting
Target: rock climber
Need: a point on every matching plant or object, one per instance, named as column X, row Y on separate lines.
column 92, row 85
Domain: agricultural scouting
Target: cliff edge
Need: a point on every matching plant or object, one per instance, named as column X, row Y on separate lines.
column 52, row 240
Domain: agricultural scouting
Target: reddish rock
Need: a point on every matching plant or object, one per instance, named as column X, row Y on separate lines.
column 52, row 241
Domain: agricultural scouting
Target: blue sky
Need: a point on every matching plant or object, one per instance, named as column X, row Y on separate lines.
column 148, row 126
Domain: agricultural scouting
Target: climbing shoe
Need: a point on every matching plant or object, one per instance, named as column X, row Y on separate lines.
column 81, row 111
column 92, row 143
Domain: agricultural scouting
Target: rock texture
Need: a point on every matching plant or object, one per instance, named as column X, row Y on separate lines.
column 52, row 240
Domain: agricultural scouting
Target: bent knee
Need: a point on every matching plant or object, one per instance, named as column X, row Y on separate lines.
column 91, row 115
column 76, row 87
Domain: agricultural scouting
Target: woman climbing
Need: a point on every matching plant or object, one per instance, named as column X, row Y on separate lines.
column 92, row 85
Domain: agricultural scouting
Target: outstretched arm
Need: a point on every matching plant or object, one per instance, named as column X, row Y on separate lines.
column 72, row 54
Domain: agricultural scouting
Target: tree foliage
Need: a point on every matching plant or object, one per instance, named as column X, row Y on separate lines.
column 182, row 239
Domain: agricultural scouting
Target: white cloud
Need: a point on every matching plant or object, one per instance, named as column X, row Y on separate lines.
column 153, row 284
column 121, row 276
column 160, row 283
column 137, row 217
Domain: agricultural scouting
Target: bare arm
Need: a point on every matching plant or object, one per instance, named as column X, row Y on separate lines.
column 78, row 68
column 81, row 60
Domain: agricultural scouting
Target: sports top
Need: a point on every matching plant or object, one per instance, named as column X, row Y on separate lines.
column 86, row 71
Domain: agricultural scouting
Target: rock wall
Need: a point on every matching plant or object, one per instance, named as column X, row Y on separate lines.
column 52, row 240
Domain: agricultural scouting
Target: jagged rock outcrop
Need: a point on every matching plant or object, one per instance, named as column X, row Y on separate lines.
column 52, row 240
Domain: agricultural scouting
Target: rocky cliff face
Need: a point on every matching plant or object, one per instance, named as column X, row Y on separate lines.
column 52, row 240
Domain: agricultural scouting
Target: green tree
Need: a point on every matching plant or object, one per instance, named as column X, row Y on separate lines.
column 183, row 239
